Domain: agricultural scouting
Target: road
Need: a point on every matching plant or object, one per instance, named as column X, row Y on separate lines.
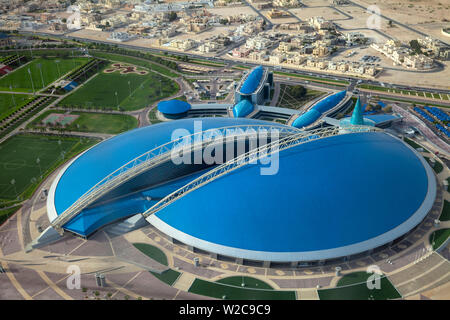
column 250, row 64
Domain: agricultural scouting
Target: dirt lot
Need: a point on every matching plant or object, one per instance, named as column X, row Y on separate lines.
column 428, row 16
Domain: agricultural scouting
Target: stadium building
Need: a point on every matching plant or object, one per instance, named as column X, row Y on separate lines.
column 255, row 86
column 334, row 190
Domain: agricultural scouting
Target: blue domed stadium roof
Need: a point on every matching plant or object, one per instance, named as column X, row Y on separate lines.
column 93, row 165
column 243, row 109
column 327, row 200
column 251, row 83
column 318, row 109
column 173, row 106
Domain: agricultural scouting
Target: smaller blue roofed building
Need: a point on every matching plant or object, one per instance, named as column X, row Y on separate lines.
column 358, row 119
column 319, row 109
column 174, row 109
column 243, row 109
column 255, row 86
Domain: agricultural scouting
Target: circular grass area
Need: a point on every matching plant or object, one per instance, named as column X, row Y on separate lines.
column 249, row 282
column 437, row 165
column 353, row 278
column 353, row 286
column 445, row 215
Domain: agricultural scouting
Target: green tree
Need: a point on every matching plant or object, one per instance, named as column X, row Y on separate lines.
column 173, row 16
column 297, row 91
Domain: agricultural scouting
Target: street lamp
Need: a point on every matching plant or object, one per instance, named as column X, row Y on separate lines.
column 38, row 161
column 12, row 96
column 57, row 65
column 117, row 100
column 13, row 182
column 32, row 84
column 40, row 70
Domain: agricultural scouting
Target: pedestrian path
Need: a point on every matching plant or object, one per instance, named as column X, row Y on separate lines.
column 184, row 281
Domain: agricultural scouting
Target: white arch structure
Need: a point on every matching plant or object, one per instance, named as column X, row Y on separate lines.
column 158, row 155
column 251, row 157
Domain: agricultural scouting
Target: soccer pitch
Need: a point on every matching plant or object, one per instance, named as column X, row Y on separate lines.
column 19, row 165
column 52, row 69
column 9, row 103
column 133, row 91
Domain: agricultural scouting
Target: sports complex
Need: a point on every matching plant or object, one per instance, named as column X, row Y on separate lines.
column 231, row 199
column 325, row 202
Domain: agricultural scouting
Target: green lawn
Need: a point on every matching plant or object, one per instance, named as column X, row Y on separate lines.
column 138, row 62
column 222, row 291
column 437, row 166
column 100, row 92
column 169, row 276
column 248, row 281
column 287, row 100
column 414, row 144
column 20, row 80
column 445, row 215
column 354, row 287
column 6, row 213
column 152, row 251
column 18, row 161
column 93, row 122
column 438, row 237
column 10, row 103
column 152, row 116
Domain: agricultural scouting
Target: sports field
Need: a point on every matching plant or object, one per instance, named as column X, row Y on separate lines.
column 19, row 165
column 10, row 103
column 353, row 286
column 91, row 122
column 52, row 69
column 123, row 91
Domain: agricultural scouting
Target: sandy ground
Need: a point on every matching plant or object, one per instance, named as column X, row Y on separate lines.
column 232, row 11
column 432, row 79
column 325, row 12
column 426, row 15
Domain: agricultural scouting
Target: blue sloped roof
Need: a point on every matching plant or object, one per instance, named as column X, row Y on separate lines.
column 329, row 102
column 243, row 109
column 173, row 106
column 314, row 202
column 92, row 166
column 306, row 119
column 318, row 109
column 379, row 118
column 251, row 83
